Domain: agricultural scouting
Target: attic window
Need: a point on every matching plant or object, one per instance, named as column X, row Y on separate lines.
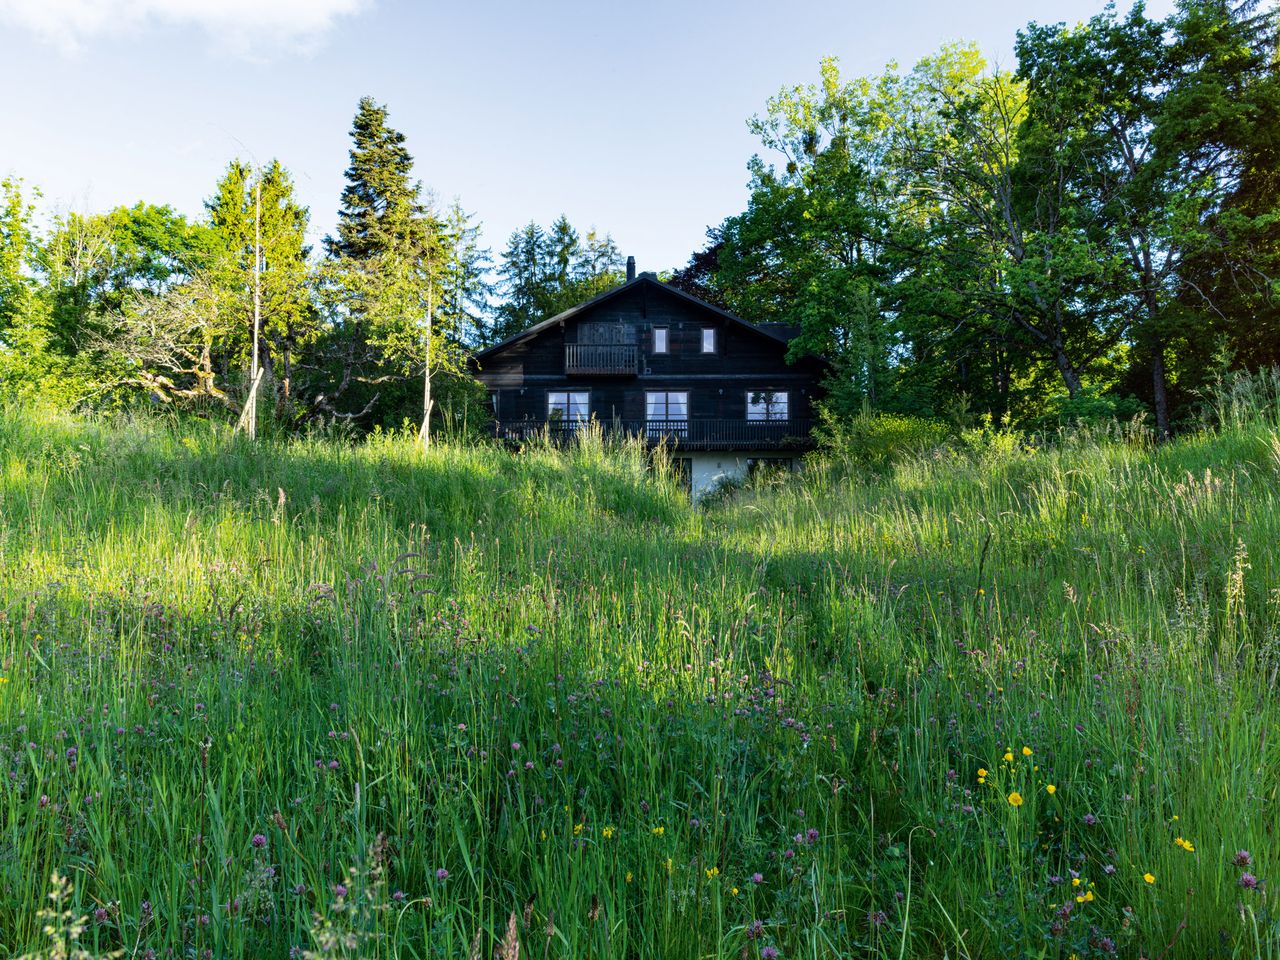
column 708, row 339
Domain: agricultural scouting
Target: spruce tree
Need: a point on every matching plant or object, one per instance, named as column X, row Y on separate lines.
column 382, row 206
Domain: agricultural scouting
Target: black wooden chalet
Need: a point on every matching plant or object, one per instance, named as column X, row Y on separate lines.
column 649, row 360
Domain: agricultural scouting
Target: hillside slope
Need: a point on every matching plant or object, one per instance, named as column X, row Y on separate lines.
column 351, row 700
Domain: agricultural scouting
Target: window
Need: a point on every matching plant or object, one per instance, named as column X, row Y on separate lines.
column 571, row 407
column 493, row 402
column 667, row 412
column 768, row 405
column 708, row 339
column 659, row 339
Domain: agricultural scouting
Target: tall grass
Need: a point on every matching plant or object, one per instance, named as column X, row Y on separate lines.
column 319, row 699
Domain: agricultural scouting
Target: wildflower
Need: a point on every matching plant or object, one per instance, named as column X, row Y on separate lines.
column 769, row 953
column 757, row 878
column 1008, row 756
column 340, row 890
column 877, row 918
column 1026, row 751
column 1050, row 789
column 1248, row 881
column 667, row 864
column 1075, row 881
column 259, row 841
column 607, row 833
column 659, row 831
column 811, row 835
column 712, row 872
column 1185, row 844
column 542, row 834
column 577, row 829
column 981, row 774
column 442, row 874
column 734, row 891
column 1015, row 799
column 1149, row 877
column 1090, row 820
column 629, row 876
column 1243, row 858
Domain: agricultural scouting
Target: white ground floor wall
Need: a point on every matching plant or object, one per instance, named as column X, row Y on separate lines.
column 707, row 471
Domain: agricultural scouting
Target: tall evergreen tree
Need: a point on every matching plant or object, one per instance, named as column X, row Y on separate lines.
column 382, row 205
column 391, row 256
column 522, row 282
column 465, row 287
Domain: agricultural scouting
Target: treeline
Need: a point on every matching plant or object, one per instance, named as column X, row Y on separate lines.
column 1094, row 234
column 143, row 305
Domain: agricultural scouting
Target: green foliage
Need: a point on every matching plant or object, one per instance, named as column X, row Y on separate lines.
column 874, row 442
column 1100, row 221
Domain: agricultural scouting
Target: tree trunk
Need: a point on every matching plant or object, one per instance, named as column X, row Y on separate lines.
column 1159, row 393
column 1069, row 374
column 424, row 435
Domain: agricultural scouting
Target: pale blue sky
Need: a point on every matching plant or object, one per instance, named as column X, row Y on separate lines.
column 629, row 116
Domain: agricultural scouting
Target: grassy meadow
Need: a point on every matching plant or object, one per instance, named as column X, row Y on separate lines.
column 1003, row 698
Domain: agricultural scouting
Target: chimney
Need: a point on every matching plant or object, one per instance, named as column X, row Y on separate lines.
column 631, row 269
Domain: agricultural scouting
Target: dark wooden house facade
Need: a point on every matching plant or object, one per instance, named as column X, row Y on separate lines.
column 652, row 361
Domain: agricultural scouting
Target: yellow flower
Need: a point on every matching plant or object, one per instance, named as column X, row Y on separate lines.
column 4, row 679
column 628, row 876
column 577, row 829
column 544, row 834
column 1080, row 899
column 1075, row 881
column 981, row 773
column 1088, row 895
column 659, row 831
column 1149, row 877
column 1015, row 799
column 734, row 891
column 982, row 779
column 1186, row 845
column 668, row 864
column 607, row 833
column 712, row 872
column 1008, row 756
column 1050, row 789
column 1026, row 751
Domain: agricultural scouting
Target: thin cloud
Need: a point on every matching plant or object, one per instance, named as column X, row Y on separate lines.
column 247, row 27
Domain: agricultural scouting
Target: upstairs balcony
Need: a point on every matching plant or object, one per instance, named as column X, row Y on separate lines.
column 602, row 359
column 676, row 434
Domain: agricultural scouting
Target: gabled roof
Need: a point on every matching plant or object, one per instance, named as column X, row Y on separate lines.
column 608, row 295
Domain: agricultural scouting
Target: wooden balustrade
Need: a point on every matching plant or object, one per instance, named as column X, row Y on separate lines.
column 678, row 434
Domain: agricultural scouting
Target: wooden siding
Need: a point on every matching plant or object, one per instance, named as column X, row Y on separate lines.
column 746, row 360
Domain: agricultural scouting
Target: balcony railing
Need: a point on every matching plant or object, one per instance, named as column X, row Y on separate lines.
column 678, row 434
column 602, row 359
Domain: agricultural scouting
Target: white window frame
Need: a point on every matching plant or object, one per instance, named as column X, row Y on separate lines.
column 573, row 409
column 666, row 423
column 710, row 340
column 661, row 340
column 773, row 406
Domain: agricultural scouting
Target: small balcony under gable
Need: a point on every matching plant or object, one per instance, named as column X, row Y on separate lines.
column 602, row 359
